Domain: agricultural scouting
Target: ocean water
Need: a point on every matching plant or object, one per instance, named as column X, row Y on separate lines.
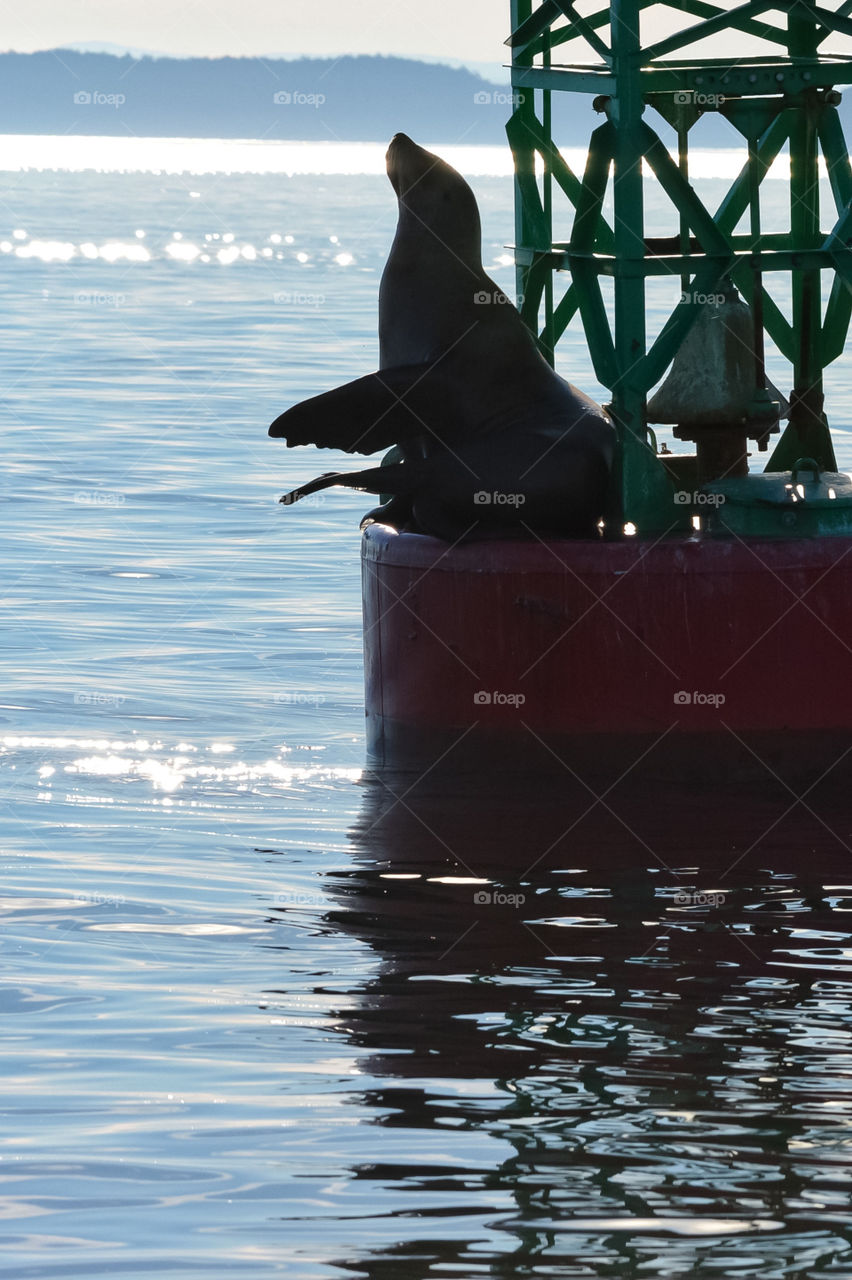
column 265, row 1011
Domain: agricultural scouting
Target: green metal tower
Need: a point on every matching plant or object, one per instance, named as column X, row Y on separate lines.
column 784, row 99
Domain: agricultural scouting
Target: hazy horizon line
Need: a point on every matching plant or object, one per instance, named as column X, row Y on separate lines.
column 484, row 68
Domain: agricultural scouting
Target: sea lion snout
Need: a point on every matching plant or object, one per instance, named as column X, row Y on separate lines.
column 399, row 140
column 392, row 156
column 407, row 163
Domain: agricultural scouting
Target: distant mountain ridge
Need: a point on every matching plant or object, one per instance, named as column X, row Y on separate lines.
column 356, row 98
column 353, row 98
column 496, row 71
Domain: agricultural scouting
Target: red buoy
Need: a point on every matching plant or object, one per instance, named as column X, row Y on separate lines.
column 689, row 648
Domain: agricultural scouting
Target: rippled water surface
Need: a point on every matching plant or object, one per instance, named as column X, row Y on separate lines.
column 266, row 1012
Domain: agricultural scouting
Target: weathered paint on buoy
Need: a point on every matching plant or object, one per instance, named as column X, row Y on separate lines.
column 595, row 642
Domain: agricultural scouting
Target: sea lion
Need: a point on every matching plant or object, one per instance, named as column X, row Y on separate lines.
column 491, row 441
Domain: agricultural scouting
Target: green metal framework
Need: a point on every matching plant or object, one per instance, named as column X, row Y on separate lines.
column 785, row 98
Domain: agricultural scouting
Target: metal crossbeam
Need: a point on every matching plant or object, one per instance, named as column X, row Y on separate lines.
column 784, row 99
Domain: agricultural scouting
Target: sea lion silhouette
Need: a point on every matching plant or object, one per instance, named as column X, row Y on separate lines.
column 491, row 441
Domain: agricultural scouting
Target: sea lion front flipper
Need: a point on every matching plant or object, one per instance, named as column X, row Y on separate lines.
column 372, row 413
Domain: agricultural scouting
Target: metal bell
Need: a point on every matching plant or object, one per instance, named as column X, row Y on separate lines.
column 711, row 383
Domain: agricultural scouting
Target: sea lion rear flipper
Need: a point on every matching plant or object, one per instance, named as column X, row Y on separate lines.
column 396, row 512
column 371, row 413
column 391, row 479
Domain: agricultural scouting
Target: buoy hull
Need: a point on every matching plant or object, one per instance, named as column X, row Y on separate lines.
column 603, row 647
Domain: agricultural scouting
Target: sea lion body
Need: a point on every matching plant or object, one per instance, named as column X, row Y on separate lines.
column 493, row 441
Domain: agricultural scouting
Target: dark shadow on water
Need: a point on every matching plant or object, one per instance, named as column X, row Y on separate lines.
column 636, row 1012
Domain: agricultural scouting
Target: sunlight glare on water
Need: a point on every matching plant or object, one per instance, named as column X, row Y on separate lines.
column 227, row 155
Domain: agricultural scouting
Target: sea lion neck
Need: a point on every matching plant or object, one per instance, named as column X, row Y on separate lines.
column 440, row 234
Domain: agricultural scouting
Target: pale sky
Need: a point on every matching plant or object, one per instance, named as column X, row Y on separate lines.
column 457, row 30
column 470, row 30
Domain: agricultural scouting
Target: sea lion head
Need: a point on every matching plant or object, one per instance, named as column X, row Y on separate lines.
column 435, row 196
